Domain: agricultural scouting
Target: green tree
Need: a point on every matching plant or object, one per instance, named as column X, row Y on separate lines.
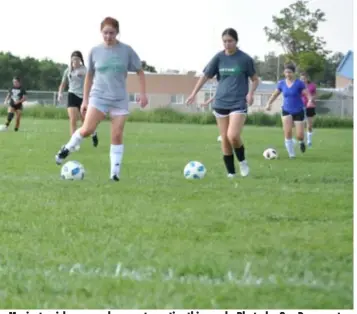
column 295, row 30
column 147, row 67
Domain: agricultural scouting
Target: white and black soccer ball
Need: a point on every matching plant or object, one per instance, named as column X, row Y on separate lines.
column 194, row 170
column 270, row 153
column 72, row 170
column 3, row 128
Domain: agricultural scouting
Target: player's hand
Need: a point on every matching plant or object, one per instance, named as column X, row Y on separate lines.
column 143, row 100
column 268, row 107
column 190, row 100
column 59, row 97
column 84, row 108
column 250, row 99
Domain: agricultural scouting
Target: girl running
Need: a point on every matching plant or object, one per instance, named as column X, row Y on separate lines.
column 233, row 69
column 74, row 76
column 16, row 96
column 293, row 107
column 310, row 107
column 105, row 93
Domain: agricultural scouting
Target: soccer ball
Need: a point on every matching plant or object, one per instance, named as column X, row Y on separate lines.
column 194, row 170
column 219, row 138
column 270, row 153
column 72, row 170
column 3, row 128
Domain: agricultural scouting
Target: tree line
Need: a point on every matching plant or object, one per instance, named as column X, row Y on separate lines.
column 35, row 74
column 294, row 29
column 271, row 68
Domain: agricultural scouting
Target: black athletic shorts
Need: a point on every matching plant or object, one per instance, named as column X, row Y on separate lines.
column 300, row 116
column 74, row 101
column 310, row 112
column 16, row 107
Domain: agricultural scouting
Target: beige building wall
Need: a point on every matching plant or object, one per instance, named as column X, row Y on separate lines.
column 342, row 82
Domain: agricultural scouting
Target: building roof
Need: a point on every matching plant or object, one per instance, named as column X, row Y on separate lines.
column 345, row 68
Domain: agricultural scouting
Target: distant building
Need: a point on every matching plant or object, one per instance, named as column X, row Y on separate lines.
column 344, row 72
column 171, row 89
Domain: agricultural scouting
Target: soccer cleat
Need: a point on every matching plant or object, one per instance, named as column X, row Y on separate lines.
column 302, row 147
column 309, row 144
column 114, row 178
column 231, row 175
column 95, row 140
column 61, row 155
column 244, row 169
column 16, row 129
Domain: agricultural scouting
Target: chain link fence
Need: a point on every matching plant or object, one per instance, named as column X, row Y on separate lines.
column 340, row 103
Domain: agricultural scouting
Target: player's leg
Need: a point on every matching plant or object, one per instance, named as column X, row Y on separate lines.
column 222, row 118
column 73, row 117
column 287, row 121
column 310, row 115
column 235, row 129
column 299, row 121
column 118, row 118
column 10, row 115
column 95, row 114
column 18, row 114
column 95, row 139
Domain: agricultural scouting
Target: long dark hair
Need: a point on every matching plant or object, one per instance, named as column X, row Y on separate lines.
column 78, row 54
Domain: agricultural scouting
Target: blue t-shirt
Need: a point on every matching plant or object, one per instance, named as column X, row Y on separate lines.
column 292, row 96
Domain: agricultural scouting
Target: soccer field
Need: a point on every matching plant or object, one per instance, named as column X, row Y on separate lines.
column 280, row 238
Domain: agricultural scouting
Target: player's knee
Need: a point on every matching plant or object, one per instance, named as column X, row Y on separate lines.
column 86, row 131
column 233, row 138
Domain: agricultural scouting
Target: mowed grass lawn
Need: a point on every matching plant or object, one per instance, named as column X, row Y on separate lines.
column 281, row 238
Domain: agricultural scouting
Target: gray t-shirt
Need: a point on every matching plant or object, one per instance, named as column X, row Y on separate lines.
column 110, row 66
column 75, row 80
column 233, row 73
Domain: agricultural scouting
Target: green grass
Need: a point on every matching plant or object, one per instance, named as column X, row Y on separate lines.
column 281, row 238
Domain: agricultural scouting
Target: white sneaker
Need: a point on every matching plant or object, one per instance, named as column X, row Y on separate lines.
column 231, row 175
column 244, row 169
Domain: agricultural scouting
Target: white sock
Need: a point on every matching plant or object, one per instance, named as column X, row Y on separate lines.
column 289, row 144
column 75, row 140
column 116, row 157
column 309, row 137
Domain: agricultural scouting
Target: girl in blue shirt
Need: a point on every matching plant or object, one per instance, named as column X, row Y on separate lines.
column 293, row 107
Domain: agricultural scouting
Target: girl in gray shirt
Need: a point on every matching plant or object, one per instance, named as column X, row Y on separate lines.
column 233, row 69
column 73, row 77
column 105, row 93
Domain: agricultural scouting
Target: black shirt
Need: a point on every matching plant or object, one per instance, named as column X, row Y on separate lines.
column 16, row 93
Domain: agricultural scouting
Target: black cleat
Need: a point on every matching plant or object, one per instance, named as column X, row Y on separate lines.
column 61, row 155
column 16, row 129
column 95, row 140
column 115, row 178
column 302, row 147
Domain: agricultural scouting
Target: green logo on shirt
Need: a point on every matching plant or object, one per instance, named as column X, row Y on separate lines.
column 111, row 65
column 230, row 71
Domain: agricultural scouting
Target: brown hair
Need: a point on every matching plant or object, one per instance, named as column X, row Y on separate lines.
column 110, row 21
